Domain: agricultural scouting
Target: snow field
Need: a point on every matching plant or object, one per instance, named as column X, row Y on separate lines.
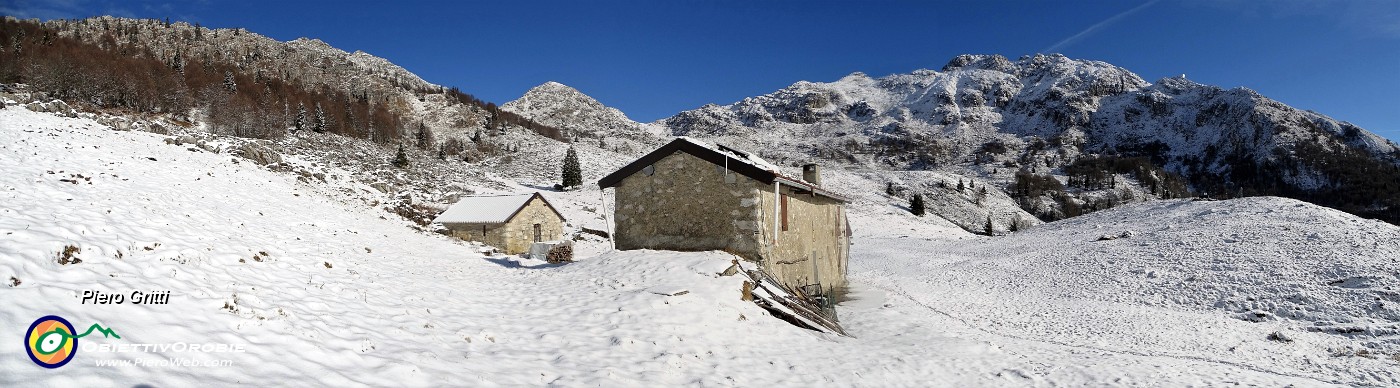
column 324, row 290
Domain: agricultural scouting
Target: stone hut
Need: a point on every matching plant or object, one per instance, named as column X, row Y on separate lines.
column 690, row 196
column 508, row 222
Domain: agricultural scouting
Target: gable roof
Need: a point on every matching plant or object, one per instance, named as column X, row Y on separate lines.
column 489, row 209
column 743, row 163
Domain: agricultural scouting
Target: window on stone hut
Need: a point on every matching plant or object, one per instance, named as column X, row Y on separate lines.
column 784, row 205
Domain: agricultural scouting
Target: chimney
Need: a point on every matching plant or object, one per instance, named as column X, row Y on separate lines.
column 812, row 174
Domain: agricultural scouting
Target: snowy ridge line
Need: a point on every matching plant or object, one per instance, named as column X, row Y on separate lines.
column 898, row 291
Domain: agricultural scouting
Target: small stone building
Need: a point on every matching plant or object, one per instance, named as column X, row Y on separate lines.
column 690, row 196
column 508, row 222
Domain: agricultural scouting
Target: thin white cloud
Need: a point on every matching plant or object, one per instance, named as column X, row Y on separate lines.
column 1096, row 27
column 1379, row 18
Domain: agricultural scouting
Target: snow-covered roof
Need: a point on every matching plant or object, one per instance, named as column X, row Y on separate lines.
column 744, row 163
column 743, row 157
column 487, row 209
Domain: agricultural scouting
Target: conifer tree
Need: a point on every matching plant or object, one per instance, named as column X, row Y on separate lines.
column 300, row 121
column 348, row 124
column 230, row 84
column 572, row 174
column 989, row 230
column 401, row 160
column 320, row 124
column 916, row 205
column 424, row 136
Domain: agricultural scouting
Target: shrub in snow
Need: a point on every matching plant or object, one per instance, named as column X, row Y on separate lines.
column 1280, row 337
column 1123, row 234
column 916, row 205
column 69, row 255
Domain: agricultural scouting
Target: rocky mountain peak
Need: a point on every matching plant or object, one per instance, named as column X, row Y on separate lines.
column 556, row 93
column 984, row 62
column 561, row 106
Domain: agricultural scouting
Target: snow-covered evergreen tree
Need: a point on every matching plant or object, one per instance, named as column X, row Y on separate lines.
column 230, row 84
column 424, row 137
column 916, row 205
column 299, row 123
column 320, row 124
column 401, row 159
column 572, row 174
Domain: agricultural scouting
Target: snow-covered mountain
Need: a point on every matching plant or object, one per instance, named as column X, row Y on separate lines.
column 586, row 119
column 980, row 98
column 557, row 104
column 1044, row 112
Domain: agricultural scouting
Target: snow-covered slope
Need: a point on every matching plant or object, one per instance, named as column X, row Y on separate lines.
column 1265, row 284
column 320, row 290
column 323, row 292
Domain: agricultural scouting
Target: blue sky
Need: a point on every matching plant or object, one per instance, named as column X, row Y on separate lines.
column 652, row 59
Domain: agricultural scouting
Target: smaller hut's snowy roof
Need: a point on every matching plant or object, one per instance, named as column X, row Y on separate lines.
column 485, row 209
